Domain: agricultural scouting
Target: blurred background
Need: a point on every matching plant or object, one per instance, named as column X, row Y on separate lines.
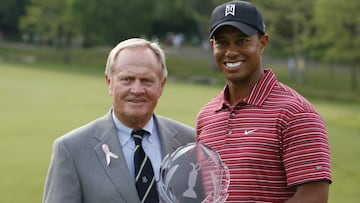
column 53, row 54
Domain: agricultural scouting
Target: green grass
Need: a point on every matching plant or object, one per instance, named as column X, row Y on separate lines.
column 38, row 105
column 343, row 124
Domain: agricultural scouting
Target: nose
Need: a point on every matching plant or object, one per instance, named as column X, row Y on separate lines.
column 137, row 87
column 231, row 52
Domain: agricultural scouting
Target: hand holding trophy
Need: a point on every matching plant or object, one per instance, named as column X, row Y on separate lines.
column 194, row 173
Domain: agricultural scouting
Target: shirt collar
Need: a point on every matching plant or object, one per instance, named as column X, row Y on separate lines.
column 258, row 94
column 124, row 132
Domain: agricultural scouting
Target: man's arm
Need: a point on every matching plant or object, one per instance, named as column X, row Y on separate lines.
column 306, row 158
column 62, row 183
column 312, row 192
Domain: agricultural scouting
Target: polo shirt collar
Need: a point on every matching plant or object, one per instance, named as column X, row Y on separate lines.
column 258, row 94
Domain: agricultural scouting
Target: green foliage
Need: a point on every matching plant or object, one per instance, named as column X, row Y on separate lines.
column 305, row 28
column 190, row 17
column 287, row 22
column 338, row 31
column 337, row 34
column 47, row 19
column 108, row 21
column 10, row 10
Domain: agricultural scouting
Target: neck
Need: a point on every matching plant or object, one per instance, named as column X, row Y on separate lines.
column 238, row 90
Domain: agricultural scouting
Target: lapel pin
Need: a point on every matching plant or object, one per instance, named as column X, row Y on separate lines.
column 108, row 154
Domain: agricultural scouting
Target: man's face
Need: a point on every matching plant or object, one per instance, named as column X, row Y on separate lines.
column 238, row 56
column 135, row 86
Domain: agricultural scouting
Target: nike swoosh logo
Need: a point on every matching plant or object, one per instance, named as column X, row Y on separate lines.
column 246, row 132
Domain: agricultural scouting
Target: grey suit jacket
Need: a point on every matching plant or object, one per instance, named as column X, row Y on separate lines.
column 78, row 171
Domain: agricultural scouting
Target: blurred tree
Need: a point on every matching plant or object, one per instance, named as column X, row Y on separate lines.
column 297, row 28
column 336, row 35
column 98, row 21
column 108, row 21
column 47, row 20
column 287, row 23
column 10, row 11
column 196, row 14
column 190, row 17
column 50, row 22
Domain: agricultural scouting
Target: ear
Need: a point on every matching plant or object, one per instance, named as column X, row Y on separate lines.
column 109, row 83
column 163, row 82
column 264, row 40
column 211, row 42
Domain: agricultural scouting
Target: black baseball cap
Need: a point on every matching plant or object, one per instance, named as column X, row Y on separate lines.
column 240, row 14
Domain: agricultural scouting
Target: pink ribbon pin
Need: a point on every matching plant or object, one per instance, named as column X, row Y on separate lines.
column 108, row 154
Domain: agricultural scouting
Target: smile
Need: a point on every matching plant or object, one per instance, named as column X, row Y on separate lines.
column 137, row 101
column 233, row 65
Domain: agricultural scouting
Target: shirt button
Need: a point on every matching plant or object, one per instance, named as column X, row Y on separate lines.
column 229, row 132
column 233, row 115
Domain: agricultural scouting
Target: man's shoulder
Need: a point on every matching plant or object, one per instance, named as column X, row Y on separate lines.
column 172, row 123
column 168, row 120
column 84, row 131
column 214, row 103
column 289, row 98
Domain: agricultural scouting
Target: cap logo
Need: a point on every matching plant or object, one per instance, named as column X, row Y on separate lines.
column 230, row 10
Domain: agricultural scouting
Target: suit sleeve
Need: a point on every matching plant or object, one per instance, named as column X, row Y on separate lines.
column 62, row 182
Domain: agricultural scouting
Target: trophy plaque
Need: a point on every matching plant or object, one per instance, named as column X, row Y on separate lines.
column 193, row 173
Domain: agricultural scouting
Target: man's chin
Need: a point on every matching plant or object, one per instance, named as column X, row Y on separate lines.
column 138, row 115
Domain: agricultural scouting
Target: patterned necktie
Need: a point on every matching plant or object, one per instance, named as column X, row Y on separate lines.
column 145, row 179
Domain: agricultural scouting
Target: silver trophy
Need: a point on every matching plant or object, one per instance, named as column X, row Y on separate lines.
column 193, row 173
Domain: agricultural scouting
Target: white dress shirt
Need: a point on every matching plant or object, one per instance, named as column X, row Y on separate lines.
column 150, row 143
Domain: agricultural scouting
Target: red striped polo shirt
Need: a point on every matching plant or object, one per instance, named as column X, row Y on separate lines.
column 271, row 140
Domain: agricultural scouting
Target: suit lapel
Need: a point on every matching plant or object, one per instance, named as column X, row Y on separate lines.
column 117, row 170
column 168, row 137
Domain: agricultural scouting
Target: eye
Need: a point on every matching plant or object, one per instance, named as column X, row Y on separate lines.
column 147, row 81
column 126, row 80
column 221, row 42
column 242, row 41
